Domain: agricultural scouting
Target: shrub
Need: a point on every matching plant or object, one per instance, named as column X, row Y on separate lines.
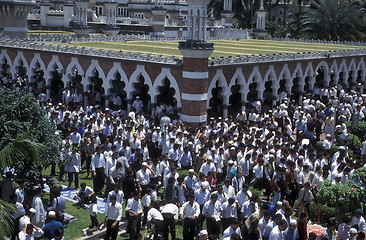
column 321, row 213
column 346, row 197
column 354, row 143
column 359, row 131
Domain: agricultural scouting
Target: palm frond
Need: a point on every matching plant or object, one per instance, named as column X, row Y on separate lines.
column 19, row 149
column 6, row 219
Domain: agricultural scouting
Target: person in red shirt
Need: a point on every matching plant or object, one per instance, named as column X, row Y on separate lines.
column 302, row 226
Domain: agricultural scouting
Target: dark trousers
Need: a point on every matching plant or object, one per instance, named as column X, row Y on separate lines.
column 84, row 199
column 159, row 226
column 98, row 180
column 73, row 176
column 144, row 219
column 169, row 225
column 189, row 228
column 94, row 221
column 134, row 223
column 199, row 221
column 213, row 227
column 111, row 233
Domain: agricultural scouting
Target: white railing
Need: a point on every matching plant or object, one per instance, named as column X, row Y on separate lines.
column 42, row 42
column 318, row 41
column 27, row 44
column 240, row 59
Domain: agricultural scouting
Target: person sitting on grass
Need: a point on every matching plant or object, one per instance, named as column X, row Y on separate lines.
column 52, row 226
column 84, row 195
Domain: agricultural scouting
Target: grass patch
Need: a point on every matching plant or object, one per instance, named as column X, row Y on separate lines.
column 74, row 229
column 223, row 48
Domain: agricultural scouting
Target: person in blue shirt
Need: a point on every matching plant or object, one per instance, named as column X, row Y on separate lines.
column 51, row 227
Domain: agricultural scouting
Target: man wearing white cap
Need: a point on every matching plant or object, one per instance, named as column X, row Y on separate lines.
column 138, row 105
column 52, row 226
column 201, row 196
column 26, row 219
column 292, row 232
column 202, row 235
column 143, row 177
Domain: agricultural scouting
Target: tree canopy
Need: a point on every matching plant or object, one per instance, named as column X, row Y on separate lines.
column 332, row 20
column 24, row 131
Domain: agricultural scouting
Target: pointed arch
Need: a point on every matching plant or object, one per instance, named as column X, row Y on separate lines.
column 352, row 65
column 343, row 66
column 221, row 80
column 256, row 77
column 74, row 64
column 117, row 68
column 240, row 76
column 309, row 71
column 286, row 74
column 298, row 71
column 20, row 57
column 271, row 73
column 159, row 81
column 55, row 61
column 334, row 67
column 90, row 73
column 4, row 55
column 140, row 70
column 361, row 65
column 36, row 59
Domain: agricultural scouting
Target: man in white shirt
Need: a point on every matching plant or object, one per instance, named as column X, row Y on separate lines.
column 249, row 207
column 155, row 217
column 208, row 166
column 229, row 212
column 26, row 219
column 138, row 105
column 143, row 177
column 233, row 228
column 189, row 213
column 228, row 189
column 97, row 166
column 116, row 192
column 113, row 217
column 211, row 211
column 170, row 213
column 358, row 219
column 277, row 232
column 40, row 216
column 134, row 210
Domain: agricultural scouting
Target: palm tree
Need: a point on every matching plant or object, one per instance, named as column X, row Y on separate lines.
column 15, row 150
column 332, row 20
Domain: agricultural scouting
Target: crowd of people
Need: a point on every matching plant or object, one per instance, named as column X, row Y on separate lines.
column 254, row 175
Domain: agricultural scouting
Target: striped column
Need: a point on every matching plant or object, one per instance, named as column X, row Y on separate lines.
column 158, row 21
column 195, row 80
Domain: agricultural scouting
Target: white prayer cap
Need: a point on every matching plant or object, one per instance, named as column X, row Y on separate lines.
column 353, row 231
column 191, row 170
column 204, row 184
column 144, row 164
column 51, row 214
column 293, row 222
column 202, row 233
column 32, row 210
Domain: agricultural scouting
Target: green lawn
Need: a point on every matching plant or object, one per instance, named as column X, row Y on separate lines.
column 223, row 48
column 74, row 229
